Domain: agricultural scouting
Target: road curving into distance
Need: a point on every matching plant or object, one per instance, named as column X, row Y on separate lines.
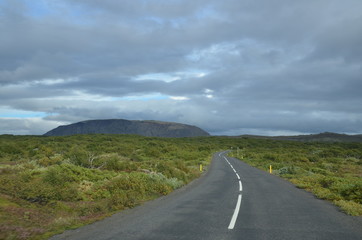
column 231, row 201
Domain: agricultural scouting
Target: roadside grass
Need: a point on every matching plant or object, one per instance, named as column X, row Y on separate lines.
column 331, row 171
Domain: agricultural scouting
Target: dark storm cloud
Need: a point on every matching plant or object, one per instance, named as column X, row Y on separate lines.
column 230, row 66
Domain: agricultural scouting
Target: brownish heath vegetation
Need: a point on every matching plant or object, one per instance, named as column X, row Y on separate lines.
column 50, row 184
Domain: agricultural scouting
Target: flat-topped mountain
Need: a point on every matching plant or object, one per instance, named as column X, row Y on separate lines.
column 121, row 126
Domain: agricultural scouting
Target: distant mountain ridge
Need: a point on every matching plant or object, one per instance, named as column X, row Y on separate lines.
column 148, row 128
column 320, row 137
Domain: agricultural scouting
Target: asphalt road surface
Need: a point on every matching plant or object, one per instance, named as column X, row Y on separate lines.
column 231, row 201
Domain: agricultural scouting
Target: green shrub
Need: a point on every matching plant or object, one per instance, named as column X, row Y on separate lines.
column 349, row 207
column 351, row 191
column 287, row 170
column 119, row 163
column 59, row 175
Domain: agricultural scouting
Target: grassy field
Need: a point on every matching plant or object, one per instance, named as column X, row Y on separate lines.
column 50, row 184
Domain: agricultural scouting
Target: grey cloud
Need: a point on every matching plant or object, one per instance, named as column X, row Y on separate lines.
column 270, row 66
column 341, row 41
column 141, row 9
column 26, row 126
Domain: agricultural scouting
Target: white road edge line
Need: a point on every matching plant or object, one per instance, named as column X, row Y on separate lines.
column 240, row 186
column 237, row 176
column 236, row 213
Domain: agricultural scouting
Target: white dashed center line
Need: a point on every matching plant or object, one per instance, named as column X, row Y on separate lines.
column 238, row 203
column 236, row 213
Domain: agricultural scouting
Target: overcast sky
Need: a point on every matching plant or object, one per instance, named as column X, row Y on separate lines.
column 269, row 67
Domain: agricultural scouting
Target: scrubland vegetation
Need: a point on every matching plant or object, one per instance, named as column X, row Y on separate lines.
column 49, row 184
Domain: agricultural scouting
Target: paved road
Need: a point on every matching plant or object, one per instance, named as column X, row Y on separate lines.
column 217, row 206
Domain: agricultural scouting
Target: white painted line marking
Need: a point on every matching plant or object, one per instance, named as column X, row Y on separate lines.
column 237, row 208
column 236, row 213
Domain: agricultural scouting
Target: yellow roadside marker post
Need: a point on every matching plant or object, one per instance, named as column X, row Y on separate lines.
column 200, row 167
column 270, row 169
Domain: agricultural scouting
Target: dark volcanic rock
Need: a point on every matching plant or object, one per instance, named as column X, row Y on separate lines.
column 121, row 126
